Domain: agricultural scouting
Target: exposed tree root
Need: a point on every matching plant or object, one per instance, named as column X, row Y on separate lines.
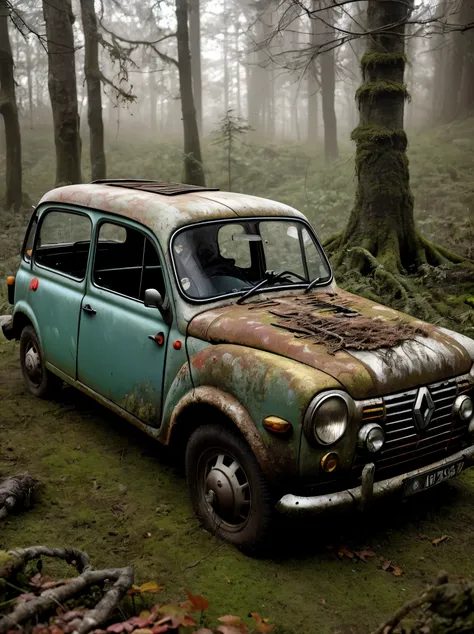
column 47, row 602
column 422, row 292
column 448, row 609
column 16, row 492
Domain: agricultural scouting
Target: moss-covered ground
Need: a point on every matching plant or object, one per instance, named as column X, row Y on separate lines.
column 107, row 489
column 110, row 491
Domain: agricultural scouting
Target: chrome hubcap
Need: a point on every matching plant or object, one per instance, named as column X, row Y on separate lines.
column 227, row 489
column 33, row 363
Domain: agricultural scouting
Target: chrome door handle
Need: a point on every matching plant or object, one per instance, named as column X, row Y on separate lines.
column 88, row 309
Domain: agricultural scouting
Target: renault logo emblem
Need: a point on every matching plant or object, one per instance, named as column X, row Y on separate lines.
column 424, row 408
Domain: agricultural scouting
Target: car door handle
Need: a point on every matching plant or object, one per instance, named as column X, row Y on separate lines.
column 159, row 338
column 88, row 309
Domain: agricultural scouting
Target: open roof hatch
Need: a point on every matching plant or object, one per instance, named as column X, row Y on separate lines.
column 155, row 187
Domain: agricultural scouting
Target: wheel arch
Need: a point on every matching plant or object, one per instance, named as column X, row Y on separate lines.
column 21, row 319
column 218, row 406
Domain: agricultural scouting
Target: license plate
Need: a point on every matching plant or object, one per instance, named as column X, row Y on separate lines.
column 431, row 478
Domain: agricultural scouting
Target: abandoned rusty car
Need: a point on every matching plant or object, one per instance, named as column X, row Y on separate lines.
column 212, row 321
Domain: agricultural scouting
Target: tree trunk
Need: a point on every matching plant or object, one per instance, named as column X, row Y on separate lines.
column 94, row 89
column 313, row 83
column 29, row 79
column 237, row 70
column 382, row 220
column 62, row 90
column 193, row 168
column 225, row 56
column 454, row 66
column 153, row 96
column 466, row 96
column 9, row 112
column 328, row 90
column 195, row 43
column 441, row 51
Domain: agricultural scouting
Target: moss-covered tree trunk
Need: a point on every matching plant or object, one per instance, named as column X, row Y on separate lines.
column 193, row 168
column 94, row 89
column 62, row 89
column 9, row 111
column 382, row 220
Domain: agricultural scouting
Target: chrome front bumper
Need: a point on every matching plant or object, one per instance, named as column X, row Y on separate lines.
column 360, row 497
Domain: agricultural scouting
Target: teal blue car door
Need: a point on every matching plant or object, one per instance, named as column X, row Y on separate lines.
column 122, row 342
column 58, row 283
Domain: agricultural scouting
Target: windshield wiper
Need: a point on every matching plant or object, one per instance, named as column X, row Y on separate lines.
column 312, row 284
column 270, row 276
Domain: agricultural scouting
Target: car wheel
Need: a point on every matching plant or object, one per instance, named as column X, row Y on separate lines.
column 228, row 490
column 38, row 380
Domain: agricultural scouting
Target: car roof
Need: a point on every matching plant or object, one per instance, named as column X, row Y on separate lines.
column 163, row 213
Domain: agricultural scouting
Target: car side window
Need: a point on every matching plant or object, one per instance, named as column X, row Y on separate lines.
column 126, row 262
column 63, row 243
column 30, row 238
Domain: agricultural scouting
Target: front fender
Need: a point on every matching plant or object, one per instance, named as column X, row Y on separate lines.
column 248, row 385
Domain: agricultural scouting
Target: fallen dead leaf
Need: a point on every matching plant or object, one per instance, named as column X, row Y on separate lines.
column 439, row 540
column 386, row 564
column 343, row 550
column 198, row 601
column 363, row 554
column 323, row 601
column 147, row 534
column 397, row 571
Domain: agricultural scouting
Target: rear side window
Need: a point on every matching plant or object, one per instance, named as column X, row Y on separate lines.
column 126, row 262
column 63, row 243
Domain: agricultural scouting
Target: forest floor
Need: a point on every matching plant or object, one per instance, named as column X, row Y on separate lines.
column 106, row 490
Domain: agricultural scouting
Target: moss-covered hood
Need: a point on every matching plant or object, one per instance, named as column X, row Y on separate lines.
column 295, row 327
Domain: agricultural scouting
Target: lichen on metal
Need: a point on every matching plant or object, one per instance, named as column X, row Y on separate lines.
column 164, row 214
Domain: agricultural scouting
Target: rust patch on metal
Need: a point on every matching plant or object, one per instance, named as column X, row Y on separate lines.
column 422, row 358
column 234, row 410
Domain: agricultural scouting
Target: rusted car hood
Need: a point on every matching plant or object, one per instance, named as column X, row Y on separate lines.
column 424, row 355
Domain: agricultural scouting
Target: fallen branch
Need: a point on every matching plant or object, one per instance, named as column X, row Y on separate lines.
column 444, row 608
column 16, row 492
column 50, row 598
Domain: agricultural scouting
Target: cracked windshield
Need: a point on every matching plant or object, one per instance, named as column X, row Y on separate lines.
column 218, row 259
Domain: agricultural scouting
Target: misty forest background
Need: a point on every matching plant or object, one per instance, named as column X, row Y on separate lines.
column 261, row 97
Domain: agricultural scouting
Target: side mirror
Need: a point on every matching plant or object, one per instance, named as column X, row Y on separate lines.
column 153, row 298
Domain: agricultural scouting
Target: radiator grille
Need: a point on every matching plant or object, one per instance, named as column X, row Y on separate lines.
column 406, row 447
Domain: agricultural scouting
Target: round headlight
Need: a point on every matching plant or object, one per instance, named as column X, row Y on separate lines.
column 463, row 407
column 330, row 420
column 371, row 437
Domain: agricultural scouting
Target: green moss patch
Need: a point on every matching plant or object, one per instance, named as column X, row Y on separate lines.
column 373, row 90
column 371, row 59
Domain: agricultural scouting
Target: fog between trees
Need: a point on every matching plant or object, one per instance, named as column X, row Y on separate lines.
column 290, row 68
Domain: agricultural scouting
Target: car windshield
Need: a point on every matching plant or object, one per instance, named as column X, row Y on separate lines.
column 221, row 258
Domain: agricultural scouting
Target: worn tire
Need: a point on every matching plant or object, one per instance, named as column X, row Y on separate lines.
column 205, row 444
column 38, row 380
